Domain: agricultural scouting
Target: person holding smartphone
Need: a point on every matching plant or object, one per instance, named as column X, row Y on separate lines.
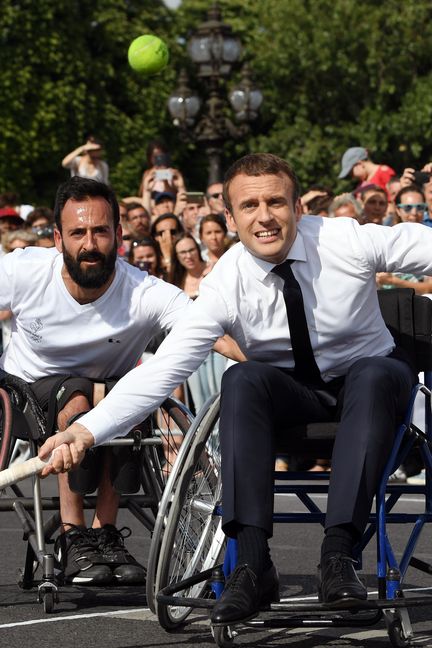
column 160, row 176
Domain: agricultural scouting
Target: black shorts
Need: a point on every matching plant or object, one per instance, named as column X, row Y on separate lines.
column 52, row 393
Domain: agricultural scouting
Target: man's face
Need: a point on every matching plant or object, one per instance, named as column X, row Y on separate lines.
column 139, row 222
column 264, row 214
column 412, row 207
column 190, row 216
column 374, row 207
column 88, row 241
column 214, row 198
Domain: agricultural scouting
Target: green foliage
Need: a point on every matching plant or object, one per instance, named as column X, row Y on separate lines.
column 334, row 73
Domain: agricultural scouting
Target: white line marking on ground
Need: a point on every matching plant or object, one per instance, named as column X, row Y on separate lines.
column 75, row 617
column 324, row 496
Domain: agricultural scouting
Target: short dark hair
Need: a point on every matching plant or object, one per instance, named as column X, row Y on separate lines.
column 135, row 205
column 78, row 188
column 39, row 212
column 409, row 189
column 257, row 164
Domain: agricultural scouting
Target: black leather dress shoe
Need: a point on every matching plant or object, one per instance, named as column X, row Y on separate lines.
column 244, row 595
column 338, row 581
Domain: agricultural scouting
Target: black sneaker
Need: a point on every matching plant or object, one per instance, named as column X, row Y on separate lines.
column 80, row 559
column 110, row 541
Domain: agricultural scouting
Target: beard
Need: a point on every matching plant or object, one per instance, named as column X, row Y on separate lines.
column 94, row 277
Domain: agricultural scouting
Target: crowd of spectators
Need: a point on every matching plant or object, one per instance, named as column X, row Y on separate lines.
column 178, row 233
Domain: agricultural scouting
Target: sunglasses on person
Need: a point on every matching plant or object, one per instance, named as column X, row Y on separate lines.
column 417, row 206
column 185, row 253
column 219, row 194
column 173, row 232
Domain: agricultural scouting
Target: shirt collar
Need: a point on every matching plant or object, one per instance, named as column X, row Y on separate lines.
column 260, row 269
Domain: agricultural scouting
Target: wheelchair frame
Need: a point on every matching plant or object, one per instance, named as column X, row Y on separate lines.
column 156, row 437
column 187, row 579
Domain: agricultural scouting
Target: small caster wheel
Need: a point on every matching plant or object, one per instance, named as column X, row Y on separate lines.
column 399, row 638
column 223, row 636
column 48, row 602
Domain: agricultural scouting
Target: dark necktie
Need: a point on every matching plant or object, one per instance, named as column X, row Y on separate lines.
column 305, row 365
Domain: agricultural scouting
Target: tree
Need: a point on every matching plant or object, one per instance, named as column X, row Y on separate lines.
column 334, row 73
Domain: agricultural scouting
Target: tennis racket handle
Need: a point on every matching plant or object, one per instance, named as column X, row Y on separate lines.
column 17, row 472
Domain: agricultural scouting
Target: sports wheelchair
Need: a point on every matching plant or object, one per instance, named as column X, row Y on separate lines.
column 156, row 441
column 190, row 572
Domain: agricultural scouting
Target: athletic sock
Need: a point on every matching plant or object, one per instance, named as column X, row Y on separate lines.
column 253, row 549
column 339, row 539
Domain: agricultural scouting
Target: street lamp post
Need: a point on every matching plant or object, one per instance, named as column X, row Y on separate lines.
column 215, row 51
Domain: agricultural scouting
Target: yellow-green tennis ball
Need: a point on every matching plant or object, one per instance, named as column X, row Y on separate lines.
column 148, row 54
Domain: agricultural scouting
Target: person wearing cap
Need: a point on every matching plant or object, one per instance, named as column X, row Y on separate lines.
column 164, row 202
column 9, row 221
column 357, row 163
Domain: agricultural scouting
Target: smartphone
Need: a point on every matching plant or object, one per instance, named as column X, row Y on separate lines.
column 195, row 197
column 421, row 178
column 163, row 174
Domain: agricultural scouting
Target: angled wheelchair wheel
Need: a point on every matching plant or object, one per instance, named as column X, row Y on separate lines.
column 172, row 424
column 193, row 539
column 5, row 429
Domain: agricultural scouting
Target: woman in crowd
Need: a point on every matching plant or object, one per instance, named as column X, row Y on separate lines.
column 189, row 266
column 212, row 233
column 146, row 255
column 85, row 161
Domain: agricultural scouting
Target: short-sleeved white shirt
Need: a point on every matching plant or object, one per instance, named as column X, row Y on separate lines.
column 52, row 333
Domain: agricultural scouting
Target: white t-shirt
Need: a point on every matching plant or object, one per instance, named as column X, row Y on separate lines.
column 52, row 333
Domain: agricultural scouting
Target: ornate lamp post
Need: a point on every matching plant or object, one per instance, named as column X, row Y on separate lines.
column 215, row 51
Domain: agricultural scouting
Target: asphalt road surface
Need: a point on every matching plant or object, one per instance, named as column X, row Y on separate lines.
column 119, row 617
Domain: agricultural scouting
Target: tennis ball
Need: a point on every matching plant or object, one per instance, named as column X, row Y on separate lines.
column 148, row 54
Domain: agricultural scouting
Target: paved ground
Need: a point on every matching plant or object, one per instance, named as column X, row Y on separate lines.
column 119, row 618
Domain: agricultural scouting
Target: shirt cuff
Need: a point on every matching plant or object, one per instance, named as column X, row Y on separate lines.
column 100, row 425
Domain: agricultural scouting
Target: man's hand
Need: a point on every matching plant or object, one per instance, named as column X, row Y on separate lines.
column 74, row 441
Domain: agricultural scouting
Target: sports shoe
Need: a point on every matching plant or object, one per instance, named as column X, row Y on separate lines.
column 125, row 569
column 79, row 558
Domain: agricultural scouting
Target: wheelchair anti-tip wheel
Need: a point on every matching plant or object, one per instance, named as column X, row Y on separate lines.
column 193, row 539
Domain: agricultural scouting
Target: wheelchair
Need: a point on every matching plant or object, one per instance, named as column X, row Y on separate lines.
column 156, row 441
column 193, row 559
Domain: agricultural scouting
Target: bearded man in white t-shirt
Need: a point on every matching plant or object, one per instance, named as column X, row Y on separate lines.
column 81, row 314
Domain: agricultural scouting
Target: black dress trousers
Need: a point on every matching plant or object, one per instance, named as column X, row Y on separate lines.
column 260, row 403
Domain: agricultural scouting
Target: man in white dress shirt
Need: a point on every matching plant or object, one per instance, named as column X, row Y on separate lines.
column 351, row 369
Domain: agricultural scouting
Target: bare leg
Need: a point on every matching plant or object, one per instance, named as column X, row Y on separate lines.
column 107, row 500
column 71, row 504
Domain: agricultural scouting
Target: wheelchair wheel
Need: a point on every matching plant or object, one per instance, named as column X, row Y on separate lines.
column 5, row 429
column 193, row 537
column 168, row 426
